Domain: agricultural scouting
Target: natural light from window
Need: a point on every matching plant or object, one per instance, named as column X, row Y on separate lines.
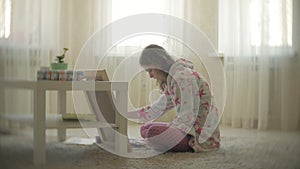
column 5, row 18
column 125, row 8
column 277, row 13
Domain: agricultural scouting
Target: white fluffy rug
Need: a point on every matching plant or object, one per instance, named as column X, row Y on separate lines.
column 240, row 149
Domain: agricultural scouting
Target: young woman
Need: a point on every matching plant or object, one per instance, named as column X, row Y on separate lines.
column 189, row 93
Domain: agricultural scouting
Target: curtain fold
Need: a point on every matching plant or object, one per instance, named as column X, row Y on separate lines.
column 260, row 65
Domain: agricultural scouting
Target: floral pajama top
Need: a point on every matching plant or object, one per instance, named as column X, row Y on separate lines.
column 196, row 112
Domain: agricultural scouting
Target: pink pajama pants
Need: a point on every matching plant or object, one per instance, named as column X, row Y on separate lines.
column 164, row 138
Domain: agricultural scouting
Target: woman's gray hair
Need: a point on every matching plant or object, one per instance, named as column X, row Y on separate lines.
column 157, row 57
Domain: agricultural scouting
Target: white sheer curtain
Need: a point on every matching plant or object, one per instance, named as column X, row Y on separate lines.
column 202, row 14
column 261, row 68
column 38, row 30
column 124, row 54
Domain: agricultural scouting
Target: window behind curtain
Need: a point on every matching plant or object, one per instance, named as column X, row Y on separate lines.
column 255, row 27
column 274, row 17
column 121, row 8
column 5, row 18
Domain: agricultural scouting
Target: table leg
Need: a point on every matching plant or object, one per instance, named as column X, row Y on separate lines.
column 39, row 133
column 61, row 109
column 122, row 143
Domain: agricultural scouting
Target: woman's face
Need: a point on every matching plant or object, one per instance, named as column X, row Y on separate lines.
column 155, row 74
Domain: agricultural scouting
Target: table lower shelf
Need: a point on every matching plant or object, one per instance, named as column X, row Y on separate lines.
column 55, row 121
